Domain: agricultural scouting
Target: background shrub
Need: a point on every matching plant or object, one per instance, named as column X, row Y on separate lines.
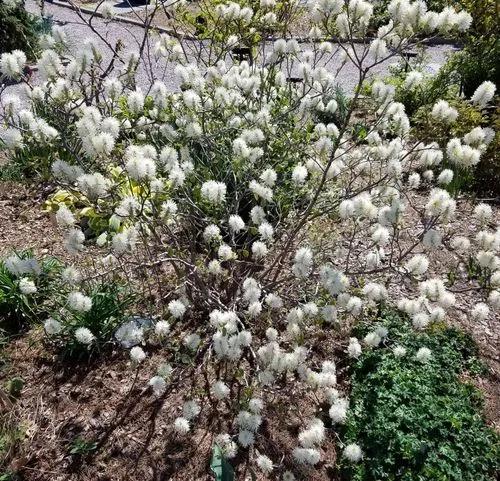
column 18, row 29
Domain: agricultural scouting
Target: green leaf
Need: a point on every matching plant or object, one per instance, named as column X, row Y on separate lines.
column 220, row 465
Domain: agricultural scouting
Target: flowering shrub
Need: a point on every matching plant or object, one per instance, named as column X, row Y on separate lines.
column 237, row 24
column 414, row 418
column 206, row 195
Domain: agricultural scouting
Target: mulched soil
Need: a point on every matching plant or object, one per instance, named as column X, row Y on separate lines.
column 23, row 224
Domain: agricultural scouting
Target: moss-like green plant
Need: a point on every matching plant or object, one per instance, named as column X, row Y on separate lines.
column 417, row 421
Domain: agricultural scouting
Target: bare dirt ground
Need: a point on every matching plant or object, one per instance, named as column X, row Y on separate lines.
column 23, row 223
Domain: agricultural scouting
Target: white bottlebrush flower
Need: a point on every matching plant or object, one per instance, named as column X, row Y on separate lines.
column 52, row 327
column 418, row 265
column 494, row 300
column 220, row 390
column 226, row 253
column 135, row 101
column 338, row 410
column 273, row 301
column 255, row 405
column 313, row 435
column 269, row 177
column 299, row 174
column 372, row 339
column 375, row 292
column 162, row 328
column 192, row 341
column 378, row 48
column 483, row 213
column 424, row 354
column 181, row 426
column 214, row 267
column 483, row 94
column 264, row 464
column 211, row 233
column 236, row 223
column 420, row 320
column 460, row 244
column 258, row 215
column 190, row 409
column 84, row 336
column 444, row 112
column 445, row 177
column 266, row 231
column 260, row 191
column 27, row 286
column 353, row 453
column 303, row 262
column 137, row 355
column 441, row 204
column 248, row 420
column 495, row 279
column 17, row 266
column 11, row 138
column 288, row 476
column 214, row 192
column 176, row 309
column 107, row 10
column 12, row 64
column 65, row 217
column 334, row 281
column 246, row 438
column 413, row 79
column 399, row 351
column 254, row 309
column 158, row 385
column 71, row 276
column 259, row 249
column 381, row 235
column 488, row 260
column 79, row 302
column 141, row 168
column 354, row 348
column 480, row 312
column 307, row 456
column 93, row 186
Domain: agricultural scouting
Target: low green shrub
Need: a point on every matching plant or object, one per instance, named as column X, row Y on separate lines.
column 78, row 330
column 25, row 286
column 417, row 421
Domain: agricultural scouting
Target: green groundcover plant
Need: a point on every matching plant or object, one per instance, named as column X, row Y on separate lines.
column 414, row 419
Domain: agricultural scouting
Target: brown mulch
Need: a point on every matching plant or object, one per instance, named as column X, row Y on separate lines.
column 107, row 402
column 23, row 223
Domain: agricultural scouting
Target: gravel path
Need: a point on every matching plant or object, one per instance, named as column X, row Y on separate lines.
column 131, row 35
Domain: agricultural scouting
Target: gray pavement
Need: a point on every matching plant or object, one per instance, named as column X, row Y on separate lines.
column 131, row 35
